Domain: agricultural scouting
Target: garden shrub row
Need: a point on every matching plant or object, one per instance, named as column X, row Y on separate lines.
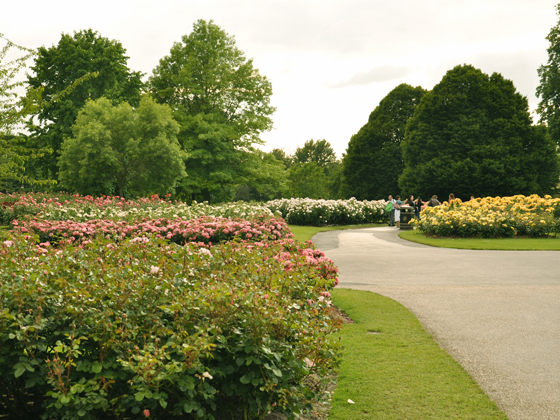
column 145, row 327
column 308, row 212
column 205, row 230
column 493, row 217
column 77, row 208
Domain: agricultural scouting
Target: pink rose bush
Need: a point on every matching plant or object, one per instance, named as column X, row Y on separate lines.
column 143, row 326
column 205, row 230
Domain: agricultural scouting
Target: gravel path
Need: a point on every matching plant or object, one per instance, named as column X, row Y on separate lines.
column 496, row 312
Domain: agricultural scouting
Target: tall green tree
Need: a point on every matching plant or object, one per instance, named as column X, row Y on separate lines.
column 318, row 151
column 321, row 154
column 58, row 67
column 121, row 149
column 373, row 161
column 266, row 178
column 473, row 135
column 549, row 87
column 221, row 102
column 307, row 180
column 283, row 156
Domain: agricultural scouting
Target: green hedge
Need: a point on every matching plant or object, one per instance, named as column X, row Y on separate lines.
column 148, row 328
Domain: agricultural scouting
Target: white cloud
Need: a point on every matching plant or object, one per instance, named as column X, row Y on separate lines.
column 376, row 75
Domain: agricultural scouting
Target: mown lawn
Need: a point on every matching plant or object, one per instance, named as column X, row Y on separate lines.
column 304, row 233
column 517, row 244
column 393, row 370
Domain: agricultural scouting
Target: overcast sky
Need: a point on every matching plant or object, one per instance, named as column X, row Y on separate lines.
column 330, row 61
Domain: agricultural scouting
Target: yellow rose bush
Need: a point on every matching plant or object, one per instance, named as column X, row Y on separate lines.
column 493, row 217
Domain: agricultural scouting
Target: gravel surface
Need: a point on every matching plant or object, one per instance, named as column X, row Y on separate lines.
column 496, row 312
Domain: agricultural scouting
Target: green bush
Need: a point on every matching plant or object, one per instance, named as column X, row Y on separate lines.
column 110, row 330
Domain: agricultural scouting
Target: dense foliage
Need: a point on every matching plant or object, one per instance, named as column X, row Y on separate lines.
column 222, row 104
column 493, row 217
column 472, row 135
column 548, row 89
column 118, row 149
column 329, row 212
column 58, row 67
column 373, row 161
column 114, row 329
column 313, row 171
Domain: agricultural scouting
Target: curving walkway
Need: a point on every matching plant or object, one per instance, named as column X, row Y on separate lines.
column 496, row 312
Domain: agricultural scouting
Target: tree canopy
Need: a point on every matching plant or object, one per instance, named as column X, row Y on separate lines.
column 318, row 151
column 473, row 135
column 265, row 179
column 373, row 161
column 58, row 67
column 221, row 102
column 549, row 87
column 119, row 149
column 307, row 180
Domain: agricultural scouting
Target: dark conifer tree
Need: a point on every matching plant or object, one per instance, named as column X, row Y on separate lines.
column 473, row 135
column 373, row 161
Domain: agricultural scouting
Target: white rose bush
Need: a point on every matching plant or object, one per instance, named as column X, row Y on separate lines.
column 309, row 212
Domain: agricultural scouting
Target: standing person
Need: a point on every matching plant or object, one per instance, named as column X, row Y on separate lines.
column 451, row 198
column 391, row 209
column 409, row 201
column 418, row 203
column 397, row 206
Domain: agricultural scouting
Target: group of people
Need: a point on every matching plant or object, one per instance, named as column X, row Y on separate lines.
column 394, row 206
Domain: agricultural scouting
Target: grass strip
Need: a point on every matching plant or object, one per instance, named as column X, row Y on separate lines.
column 393, row 370
column 304, row 233
column 512, row 244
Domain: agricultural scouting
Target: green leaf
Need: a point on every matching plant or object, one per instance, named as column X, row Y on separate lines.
column 277, row 372
column 245, row 379
column 139, row 396
column 81, row 412
column 188, row 407
column 96, row 367
column 19, row 371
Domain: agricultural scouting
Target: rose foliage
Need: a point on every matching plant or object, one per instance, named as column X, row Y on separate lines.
column 118, row 329
column 493, row 217
column 308, row 212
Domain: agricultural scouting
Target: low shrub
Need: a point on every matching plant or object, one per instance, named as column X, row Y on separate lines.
column 206, row 230
column 308, row 212
column 143, row 327
column 78, row 208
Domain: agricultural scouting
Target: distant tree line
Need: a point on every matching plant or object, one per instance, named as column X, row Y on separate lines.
column 89, row 124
